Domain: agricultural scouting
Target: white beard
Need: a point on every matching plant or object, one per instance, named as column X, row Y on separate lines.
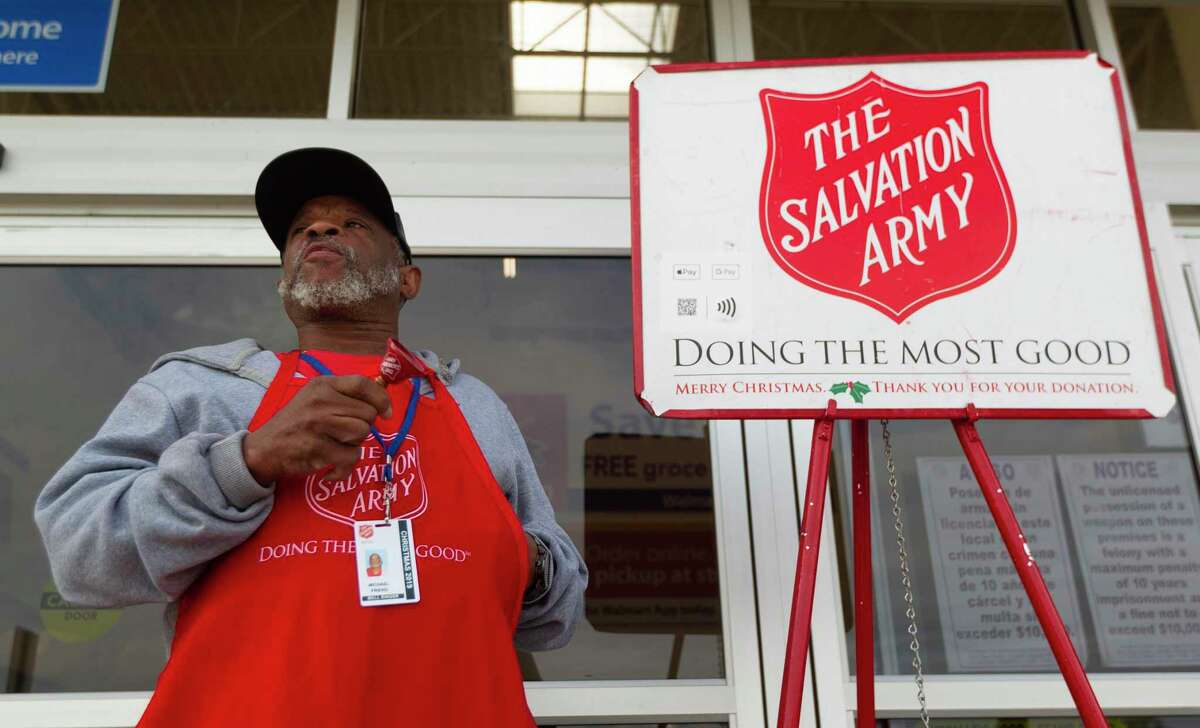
column 349, row 292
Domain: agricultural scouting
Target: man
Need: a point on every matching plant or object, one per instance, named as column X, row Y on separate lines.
column 375, row 565
column 243, row 486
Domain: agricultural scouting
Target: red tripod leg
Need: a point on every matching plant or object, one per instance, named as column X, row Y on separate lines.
column 1031, row 576
column 813, row 509
column 864, row 619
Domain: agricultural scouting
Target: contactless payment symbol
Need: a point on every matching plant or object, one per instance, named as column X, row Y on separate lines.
column 883, row 194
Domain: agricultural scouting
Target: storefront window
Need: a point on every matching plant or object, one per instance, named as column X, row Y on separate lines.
column 634, row 493
column 1160, row 47
column 517, row 58
column 263, row 58
column 832, row 28
column 1110, row 510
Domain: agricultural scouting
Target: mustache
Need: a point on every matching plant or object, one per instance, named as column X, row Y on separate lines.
column 329, row 242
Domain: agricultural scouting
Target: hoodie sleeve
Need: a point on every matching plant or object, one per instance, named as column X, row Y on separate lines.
column 548, row 620
column 142, row 507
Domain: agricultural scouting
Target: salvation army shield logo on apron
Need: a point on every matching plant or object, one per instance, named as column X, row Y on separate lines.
column 360, row 496
column 884, row 194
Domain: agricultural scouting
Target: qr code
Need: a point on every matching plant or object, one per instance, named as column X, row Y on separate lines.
column 685, row 307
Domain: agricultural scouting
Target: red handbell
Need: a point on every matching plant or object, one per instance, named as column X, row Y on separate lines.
column 399, row 363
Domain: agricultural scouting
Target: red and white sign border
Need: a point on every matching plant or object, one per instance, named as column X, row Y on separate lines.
column 969, row 412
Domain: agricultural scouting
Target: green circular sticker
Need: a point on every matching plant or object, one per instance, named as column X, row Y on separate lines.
column 70, row 623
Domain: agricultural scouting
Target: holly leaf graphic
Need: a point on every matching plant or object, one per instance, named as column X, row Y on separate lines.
column 858, row 390
column 839, row 388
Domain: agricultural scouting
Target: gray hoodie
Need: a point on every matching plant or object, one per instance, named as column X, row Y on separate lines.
column 162, row 489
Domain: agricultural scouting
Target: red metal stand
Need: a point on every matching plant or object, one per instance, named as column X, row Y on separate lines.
column 799, row 629
column 864, row 619
column 1031, row 576
column 796, row 655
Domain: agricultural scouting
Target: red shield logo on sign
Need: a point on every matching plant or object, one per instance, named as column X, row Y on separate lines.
column 884, row 194
column 366, row 531
column 360, row 497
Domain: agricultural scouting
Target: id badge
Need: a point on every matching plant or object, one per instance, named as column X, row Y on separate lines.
column 386, row 563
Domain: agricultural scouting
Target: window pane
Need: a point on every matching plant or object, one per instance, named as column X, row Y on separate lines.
column 1109, row 509
column 489, row 59
column 1160, row 47
column 823, row 29
column 634, row 493
column 549, row 26
column 633, row 27
column 262, row 58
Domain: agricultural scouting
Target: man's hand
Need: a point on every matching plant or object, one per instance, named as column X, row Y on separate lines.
column 323, row 425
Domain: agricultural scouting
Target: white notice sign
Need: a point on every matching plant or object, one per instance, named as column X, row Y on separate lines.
column 987, row 622
column 906, row 238
column 1134, row 518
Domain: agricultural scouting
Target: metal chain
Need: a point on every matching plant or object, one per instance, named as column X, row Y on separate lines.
column 905, row 579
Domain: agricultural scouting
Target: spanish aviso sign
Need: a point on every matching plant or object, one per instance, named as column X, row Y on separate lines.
column 908, row 237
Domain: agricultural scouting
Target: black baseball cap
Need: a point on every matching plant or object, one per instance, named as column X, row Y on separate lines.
column 293, row 178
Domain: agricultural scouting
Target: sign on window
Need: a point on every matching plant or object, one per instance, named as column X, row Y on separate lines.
column 988, row 624
column 1134, row 519
column 56, row 45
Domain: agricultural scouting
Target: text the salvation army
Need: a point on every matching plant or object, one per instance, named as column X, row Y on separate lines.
column 901, row 239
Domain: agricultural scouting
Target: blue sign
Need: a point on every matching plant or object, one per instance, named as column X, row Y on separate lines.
column 55, row 45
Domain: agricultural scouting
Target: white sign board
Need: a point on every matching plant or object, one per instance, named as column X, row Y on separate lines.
column 988, row 624
column 1136, row 523
column 906, row 238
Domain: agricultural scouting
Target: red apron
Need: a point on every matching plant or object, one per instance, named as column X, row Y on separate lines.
column 272, row 634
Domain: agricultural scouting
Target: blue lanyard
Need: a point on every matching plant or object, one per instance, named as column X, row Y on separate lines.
column 409, row 414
